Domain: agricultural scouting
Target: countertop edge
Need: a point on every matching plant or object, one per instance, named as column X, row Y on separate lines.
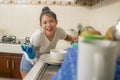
column 34, row 72
column 10, row 48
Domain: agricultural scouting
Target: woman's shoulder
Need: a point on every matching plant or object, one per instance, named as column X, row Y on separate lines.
column 59, row 29
column 38, row 31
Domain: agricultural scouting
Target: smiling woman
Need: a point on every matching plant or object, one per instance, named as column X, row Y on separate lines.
column 44, row 39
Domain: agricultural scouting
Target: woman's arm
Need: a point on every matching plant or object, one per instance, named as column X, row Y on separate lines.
column 71, row 38
column 36, row 49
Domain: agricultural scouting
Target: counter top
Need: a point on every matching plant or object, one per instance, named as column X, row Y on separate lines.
column 42, row 71
column 10, row 48
column 35, row 71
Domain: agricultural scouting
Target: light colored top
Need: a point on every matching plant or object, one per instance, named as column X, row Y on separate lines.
column 40, row 40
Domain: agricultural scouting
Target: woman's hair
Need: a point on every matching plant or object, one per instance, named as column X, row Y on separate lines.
column 48, row 12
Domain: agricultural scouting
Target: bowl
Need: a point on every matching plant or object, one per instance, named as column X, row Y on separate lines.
column 57, row 54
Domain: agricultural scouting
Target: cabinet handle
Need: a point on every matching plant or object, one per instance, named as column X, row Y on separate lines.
column 7, row 64
column 13, row 64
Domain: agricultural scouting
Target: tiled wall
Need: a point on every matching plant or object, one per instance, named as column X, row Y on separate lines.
column 23, row 20
column 106, row 15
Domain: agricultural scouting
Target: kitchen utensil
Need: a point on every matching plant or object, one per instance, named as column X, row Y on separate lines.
column 97, row 59
column 116, row 33
column 57, row 54
column 9, row 39
column 93, row 37
column 88, row 28
column 27, row 40
column 79, row 27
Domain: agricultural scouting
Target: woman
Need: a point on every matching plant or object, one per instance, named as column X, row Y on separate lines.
column 44, row 39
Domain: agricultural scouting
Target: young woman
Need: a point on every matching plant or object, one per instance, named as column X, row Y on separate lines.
column 45, row 38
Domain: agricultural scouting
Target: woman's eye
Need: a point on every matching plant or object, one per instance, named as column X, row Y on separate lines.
column 44, row 22
column 51, row 21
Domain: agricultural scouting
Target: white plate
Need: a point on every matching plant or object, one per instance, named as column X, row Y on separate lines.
column 48, row 59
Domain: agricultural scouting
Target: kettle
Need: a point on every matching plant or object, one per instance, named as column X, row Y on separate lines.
column 97, row 59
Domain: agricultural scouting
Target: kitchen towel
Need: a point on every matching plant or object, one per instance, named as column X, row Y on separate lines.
column 68, row 67
column 117, row 72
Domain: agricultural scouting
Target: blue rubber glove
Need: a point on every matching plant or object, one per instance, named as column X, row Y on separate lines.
column 29, row 50
column 75, row 45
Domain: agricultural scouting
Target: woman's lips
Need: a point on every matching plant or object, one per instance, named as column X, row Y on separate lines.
column 49, row 30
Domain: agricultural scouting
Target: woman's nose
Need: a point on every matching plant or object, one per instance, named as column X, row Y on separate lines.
column 48, row 24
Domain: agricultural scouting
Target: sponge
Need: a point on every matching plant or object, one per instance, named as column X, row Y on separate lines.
column 93, row 37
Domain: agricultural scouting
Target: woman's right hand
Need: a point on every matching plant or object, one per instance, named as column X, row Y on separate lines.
column 29, row 50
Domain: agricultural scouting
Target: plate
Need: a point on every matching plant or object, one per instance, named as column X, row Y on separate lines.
column 48, row 59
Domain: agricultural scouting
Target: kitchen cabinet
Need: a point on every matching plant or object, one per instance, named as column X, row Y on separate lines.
column 10, row 65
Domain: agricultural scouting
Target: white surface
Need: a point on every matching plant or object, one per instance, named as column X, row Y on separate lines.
column 14, row 19
column 10, row 48
column 57, row 54
column 34, row 72
column 46, row 58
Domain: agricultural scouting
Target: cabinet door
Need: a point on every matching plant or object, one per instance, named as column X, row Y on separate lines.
column 16, row 67
column 5, row 66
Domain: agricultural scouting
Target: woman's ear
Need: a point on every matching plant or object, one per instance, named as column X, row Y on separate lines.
column 40, row 25
column 56, row 21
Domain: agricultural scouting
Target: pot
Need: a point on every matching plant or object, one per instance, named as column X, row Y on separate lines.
column 8, row 39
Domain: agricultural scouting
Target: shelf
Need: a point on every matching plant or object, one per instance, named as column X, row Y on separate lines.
column 50, row 2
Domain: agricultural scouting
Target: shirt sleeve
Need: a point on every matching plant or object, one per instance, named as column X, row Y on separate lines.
column 35, row 38
column 62, row 33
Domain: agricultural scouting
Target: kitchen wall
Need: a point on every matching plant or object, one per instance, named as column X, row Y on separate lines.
column 106, row 15
column 23, row 20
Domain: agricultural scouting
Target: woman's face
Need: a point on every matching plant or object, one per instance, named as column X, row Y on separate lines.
column 48, row 24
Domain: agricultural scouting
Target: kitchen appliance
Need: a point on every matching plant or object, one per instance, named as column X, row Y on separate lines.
column 97, row 59
column 9, row 39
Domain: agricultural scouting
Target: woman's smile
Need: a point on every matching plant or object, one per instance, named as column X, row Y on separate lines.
column 49, row 30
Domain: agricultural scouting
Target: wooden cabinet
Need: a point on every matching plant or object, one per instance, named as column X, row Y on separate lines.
column 10, row 65
column 5, row 66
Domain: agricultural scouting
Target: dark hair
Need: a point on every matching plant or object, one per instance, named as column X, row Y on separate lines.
column 47, row 11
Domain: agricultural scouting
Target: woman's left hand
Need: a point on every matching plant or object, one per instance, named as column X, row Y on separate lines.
column 75, row 39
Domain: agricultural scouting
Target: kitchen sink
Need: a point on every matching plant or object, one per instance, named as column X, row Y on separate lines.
column 48, row 71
